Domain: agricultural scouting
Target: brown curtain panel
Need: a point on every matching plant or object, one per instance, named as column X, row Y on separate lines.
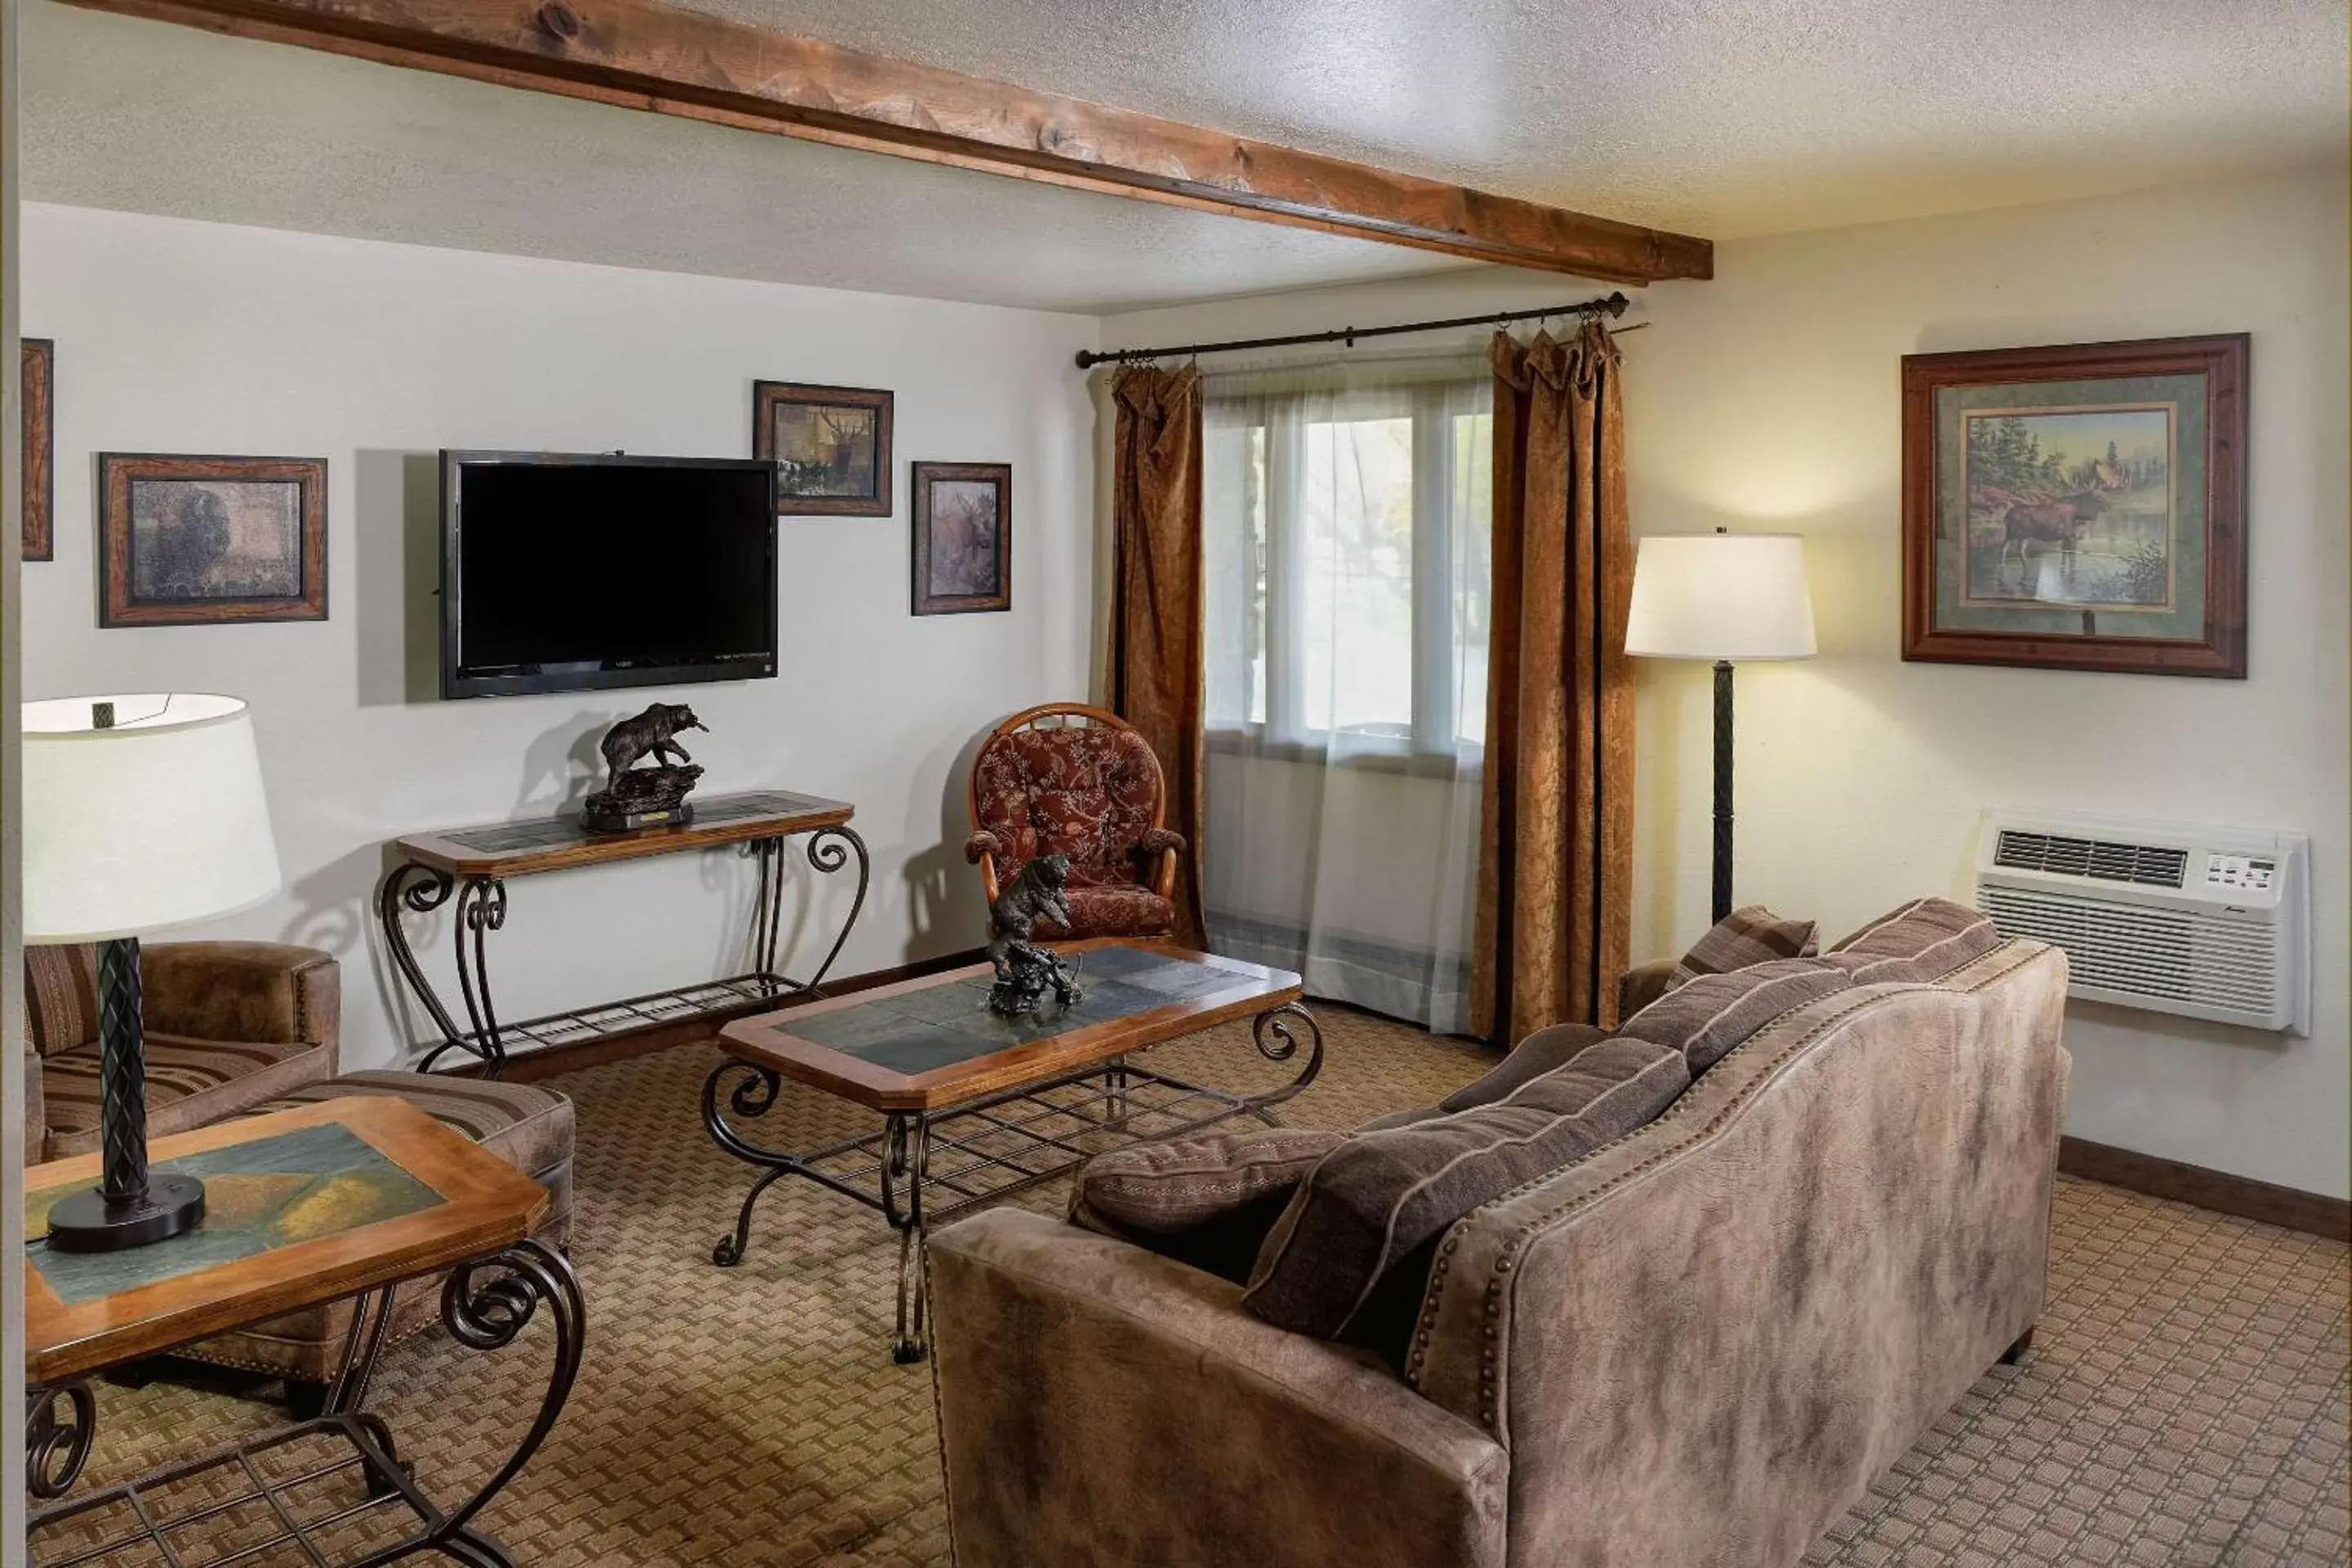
column 1158, row 672
column 1555, row 847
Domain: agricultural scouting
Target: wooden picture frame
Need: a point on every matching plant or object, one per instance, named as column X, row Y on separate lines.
column 39, row 370
column 962, row 537
column 198, row 540
column 831, row 446
column 2078, row 506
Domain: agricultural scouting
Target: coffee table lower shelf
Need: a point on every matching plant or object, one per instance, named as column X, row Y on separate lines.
column 927, row 1167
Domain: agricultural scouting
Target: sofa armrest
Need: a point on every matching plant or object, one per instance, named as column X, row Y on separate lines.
column 1098, row 1403
column 1641, row 985
column 260, row 991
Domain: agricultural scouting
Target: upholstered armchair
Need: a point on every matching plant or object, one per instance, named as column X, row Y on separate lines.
column 228, row 1024
column 1067, row 779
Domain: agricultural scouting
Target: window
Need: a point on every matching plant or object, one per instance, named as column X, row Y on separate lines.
column 1346, row 534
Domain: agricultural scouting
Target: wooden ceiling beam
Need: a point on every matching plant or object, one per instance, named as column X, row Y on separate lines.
column 644, row 54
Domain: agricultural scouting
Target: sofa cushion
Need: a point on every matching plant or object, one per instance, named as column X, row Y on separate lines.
column 528, row 1127
column 1746, row 936
column 1206, row 1200
column 1355, row 1243
column 1532, row 1058
column 1915, row 942
column 190, row 1084
column 1709, row 1016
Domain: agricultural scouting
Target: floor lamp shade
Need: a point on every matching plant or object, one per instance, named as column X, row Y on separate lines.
column 1732, row 596
column 142, row 812
column 157, row 820
column 1728, row 597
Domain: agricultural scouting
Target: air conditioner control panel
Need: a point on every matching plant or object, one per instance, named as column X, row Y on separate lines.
column 2254, row 873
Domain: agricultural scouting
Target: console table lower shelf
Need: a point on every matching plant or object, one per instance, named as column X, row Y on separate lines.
column 378, row 1194
column 977, row 1107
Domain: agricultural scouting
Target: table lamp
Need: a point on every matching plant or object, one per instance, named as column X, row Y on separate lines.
column 141, row 812
column 1730, row 597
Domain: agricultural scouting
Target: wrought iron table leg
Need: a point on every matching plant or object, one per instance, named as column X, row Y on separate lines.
column 829, row 849
column 486, row 1304
column 481, row 908
column 54, row 1450
column 420, row 890
column 1278, row 1041
column 750, row 1097
column 913, row 1135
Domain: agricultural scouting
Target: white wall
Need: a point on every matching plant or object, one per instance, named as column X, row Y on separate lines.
column 1769, row 397
column 192, row 337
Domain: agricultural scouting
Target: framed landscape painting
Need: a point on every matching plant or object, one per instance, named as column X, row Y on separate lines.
column 193, row 540
column 831, row 446
column 2078, row 507
column 963, row 537
column 39, row 431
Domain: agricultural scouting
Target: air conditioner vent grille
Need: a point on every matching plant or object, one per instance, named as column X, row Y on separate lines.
column 2153, row 954
column 2108, row 860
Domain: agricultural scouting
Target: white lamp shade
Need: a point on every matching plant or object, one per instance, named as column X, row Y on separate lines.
column 159, row 821
column 1735, row 597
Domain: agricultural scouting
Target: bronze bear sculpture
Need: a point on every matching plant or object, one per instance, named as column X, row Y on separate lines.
column 650, row 733
column 1024, row 971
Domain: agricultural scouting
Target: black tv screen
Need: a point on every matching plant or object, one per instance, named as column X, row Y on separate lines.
column 566, row 572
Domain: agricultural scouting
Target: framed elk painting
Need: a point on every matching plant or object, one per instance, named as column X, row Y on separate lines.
column 2077, row 506
column 831, row 446
column 963, row 538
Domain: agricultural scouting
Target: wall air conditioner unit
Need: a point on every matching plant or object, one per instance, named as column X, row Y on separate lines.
column 2209, row 922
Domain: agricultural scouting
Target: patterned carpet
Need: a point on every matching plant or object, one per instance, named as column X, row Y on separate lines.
column 2186, row 1404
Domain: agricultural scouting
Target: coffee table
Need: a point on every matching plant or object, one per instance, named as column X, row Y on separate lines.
column 344, row 1198
column 976, row 1107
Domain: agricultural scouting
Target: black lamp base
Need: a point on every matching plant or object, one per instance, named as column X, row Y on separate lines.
column 87, row 1221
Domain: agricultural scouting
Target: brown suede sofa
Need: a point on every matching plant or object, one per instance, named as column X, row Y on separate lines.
column 1696, row 1344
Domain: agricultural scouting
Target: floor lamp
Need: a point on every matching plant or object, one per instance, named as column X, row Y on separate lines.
column 141, row 812
column 1731, row 598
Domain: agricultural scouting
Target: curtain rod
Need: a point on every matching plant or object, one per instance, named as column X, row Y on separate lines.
column 1613, row 307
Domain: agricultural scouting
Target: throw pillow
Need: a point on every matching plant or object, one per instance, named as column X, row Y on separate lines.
column 1744, row 937
column 1350, row 1254
column 1207, row 1200
column 1918, row 942
column 1708, row 1017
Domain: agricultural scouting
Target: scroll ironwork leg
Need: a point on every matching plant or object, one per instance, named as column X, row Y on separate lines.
column 913, row 1274
column 481, row 910
column 768, row 912
column 1276, row 1032
column 486, row 1304
column 752, row 1095
column 56, row 1447
column 829, row 849
column 418, row 889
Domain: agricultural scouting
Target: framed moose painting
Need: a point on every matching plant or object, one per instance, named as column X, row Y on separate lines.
column 2077, row 506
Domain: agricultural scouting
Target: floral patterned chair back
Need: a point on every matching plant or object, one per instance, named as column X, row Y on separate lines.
column 1067, row 779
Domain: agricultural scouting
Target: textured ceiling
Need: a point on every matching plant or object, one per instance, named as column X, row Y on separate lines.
column 1717, row 117
column 1714, row 117
column 146, row 117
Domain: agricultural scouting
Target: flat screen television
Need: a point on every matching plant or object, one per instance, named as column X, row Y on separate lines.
column 571, row 572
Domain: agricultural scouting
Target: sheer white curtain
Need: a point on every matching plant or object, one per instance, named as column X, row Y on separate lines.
column 1346, row 520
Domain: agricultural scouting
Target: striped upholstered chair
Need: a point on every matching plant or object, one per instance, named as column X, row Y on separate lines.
column 229, row 1024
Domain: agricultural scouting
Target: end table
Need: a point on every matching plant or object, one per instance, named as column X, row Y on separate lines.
column 346, row 1198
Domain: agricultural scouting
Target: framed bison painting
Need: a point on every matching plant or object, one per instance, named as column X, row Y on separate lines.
column 2077, row 506
column 193, row 541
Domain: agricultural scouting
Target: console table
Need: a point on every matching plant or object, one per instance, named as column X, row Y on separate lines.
column 476, row 864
